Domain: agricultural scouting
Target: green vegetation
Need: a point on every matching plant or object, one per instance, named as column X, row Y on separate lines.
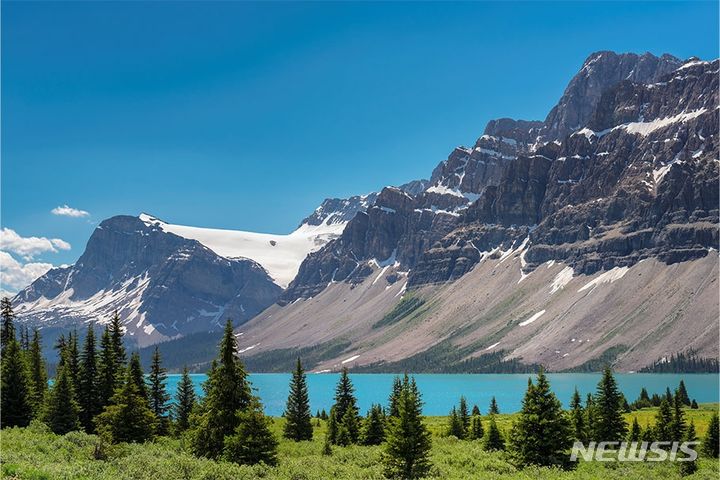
column 409, row 304
column 684, row 362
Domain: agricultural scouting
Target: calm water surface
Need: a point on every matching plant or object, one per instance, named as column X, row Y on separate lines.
column 442, row 391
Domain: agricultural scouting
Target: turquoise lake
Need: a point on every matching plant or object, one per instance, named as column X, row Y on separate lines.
column 442, row 391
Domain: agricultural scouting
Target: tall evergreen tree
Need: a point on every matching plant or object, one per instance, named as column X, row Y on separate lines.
column 7, row 328
column 542, row 433
column 15, row 390
column 494, row 440
column 609, row 424
column 346, row 423
column 116, row 336
column 682, row 392
column 590, row 416
column 374, row 426
column 297, row 408
column 394, row 396
column 61, row 413
column 689, row 467
column 407, row 448
column 227, row 390
column 252, row 442
column 635, row 431
column 88, row 394
column 24, row 338
column 128, row 418
column 73, row 358
column 476, row 430
column 158, row 393
column 677, row 425
column 38, row 373
column 493, row 410
column 463, row 413
column 184, row 402
column 577, row 417
column 107, row 369
column 663, row 422
column 711, row 441
column 475, row 410
column 135, row 374
column 455, row 425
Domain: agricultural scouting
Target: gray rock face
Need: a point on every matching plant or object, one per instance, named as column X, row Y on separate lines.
column 162, row 285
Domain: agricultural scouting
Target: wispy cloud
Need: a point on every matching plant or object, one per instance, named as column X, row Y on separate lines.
column 28, row 247
column 67, row 211
column 15, row 275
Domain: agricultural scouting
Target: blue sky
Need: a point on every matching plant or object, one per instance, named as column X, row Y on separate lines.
column 247, row 115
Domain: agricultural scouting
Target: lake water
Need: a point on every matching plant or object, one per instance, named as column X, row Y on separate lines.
column 442, row 391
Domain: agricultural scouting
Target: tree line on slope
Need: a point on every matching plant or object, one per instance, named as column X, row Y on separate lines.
column 102, row 392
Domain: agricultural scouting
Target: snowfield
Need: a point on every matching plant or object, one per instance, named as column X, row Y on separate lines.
column 279, row 255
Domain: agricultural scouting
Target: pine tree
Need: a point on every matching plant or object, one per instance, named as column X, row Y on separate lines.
column 136, row 375
column 455, row 425
column 689, row 467
column 323, row 414
column 677, row 425
column 373, row 432
column 463, row 413
column 128, row 418
column 185, row 402
column 61, row 413
column 158, row 393
column 663, row 422
column 475, row 410
column 107, row 369
column 24, row 338
column 682, row 392
column 394, row 396
column 493, row 410
column 332, row 425
column 635, row 432
column 476, row 430
column 407, row 448
column 88, row 394
column 72, row 356
column 227, row 390
column 346, row 412
column 542, row 433
column 694, row 405
column 38, row 373
column 15, row 390
column 648, row 434
column 668, row 395
column 327, row 447
column 493, row 438
column 116, row 336
column 577, row 417
column 609, row 424
column 590, row 416
column 297, row 409
column 252, row 442
column 711, row 441
column 7, row 328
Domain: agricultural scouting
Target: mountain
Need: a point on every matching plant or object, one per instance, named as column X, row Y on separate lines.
column 585, row 238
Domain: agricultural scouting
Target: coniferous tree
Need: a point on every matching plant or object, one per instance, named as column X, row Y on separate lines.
column 394, row 396
column 590, row 416
column 184, row 402
column 346, row 412
column 663, row 422
column 682, row 392
column 463, row 413
column 542, row 433
column 577, row 417
column 635, row 431
column 24, row 338
column 136, row 375
column 609, row 423
column 648, row 434
column 455, row 425
column 15, row 390
column 61, row 413
column 332, row 425
column 711, row 441
column 227, row 390
column 689, row 467
column 7, row 328
column 107, row 369
column 327, row 447
column 493, row 438
column 373, row 432
column 493, row 410
column 38, row 373
column 323, row 414
column 677, row 425
column 475, row 410
column 116, row 336
column 128, row 418
column 407, row 447
column 476, row 430
column 297, row 408
column 88, row 394
column 668, row 395
column 72, row 356
column 158, row 393
column 252, row 442
column 694, row 405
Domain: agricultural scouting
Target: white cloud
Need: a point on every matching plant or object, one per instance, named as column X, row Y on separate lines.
column 28, row 247
column 15, row 276
column 67, row 211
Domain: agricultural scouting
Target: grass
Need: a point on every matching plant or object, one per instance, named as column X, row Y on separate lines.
column 34, row 453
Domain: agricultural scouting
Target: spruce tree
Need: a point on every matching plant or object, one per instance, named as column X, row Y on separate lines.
column 323, row 414
column 184, row 402
column 694, row 405
column 475, row 410
column 677, row 425
column 394, row 396
column 15, row 406
column 476, row 430
column 463, row 413
column 7, row 328
column 116, row 336
column 61, row 413
column 609, row 423
column 577, row 417
column 297, row 408
column 227, row 390
column 38, row 373
column 648, row 434
column 635, row 431
column 72, row 356
column 542, row 433
column 107, row 369
column 252, row 441
column 711, row 441
column 494, row 440
column 590, row 416
column 346, row 412
column 373, row 432
column 493, row 410
column 88, row 394
column 158, row 394
column 663, row 422
column 407, row 448
column 682, row 392
column 455, row 425
column 24, row 338
column 128, row 418
column 136, row 375
column 689, row 467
